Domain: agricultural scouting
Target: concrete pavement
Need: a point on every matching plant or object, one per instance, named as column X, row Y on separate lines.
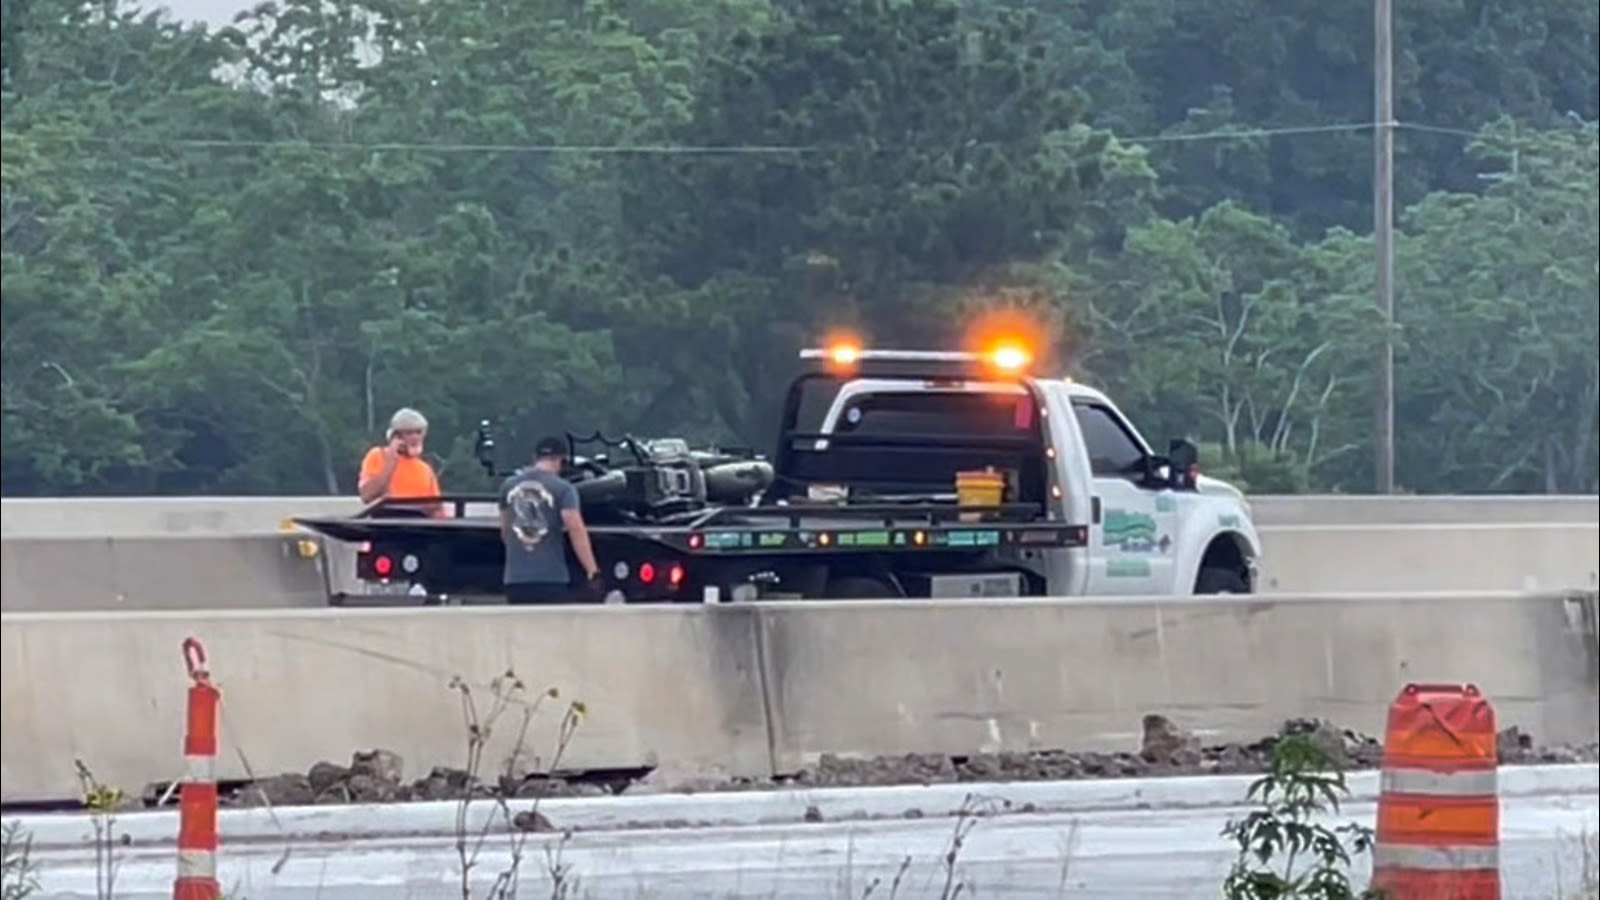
column 778, row 806
column 1120, row 853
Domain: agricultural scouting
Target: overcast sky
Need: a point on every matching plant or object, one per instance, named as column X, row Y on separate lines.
column 212, row 12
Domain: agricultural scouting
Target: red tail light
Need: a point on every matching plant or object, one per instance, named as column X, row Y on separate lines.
column 675, row 575
column 383, row 565
column 647, row 572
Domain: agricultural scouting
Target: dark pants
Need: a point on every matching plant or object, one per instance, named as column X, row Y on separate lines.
column 533, row 593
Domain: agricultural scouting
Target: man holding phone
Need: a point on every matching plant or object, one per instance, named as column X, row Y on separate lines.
column 396, row 470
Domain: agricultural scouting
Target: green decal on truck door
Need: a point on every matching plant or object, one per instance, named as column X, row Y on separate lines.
column 1130, row 532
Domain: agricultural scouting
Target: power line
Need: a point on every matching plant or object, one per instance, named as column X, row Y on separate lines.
column 1220, row 134
column 1245, row 133
column 439, row 147
column 642, row 149
column 1438, row 129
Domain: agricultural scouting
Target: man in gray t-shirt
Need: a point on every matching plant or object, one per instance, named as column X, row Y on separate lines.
column 538, row 508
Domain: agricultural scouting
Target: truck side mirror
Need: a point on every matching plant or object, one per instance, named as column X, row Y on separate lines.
column 483, row 449
column 1185, row 459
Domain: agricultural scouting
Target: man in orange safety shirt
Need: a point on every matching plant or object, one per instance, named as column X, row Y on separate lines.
column 396, row 470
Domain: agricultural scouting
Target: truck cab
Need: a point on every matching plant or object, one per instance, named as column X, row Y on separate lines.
column 1156, row 526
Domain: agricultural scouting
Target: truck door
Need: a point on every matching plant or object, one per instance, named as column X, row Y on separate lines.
column 1132, row 539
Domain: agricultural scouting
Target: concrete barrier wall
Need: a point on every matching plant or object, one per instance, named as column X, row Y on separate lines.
column 1509, row 556
column 1020, row 676
column 40, row 517
column 767, row 687
column 1334, row 509
column 660, row 685
column 157, row 516
column 65, row 574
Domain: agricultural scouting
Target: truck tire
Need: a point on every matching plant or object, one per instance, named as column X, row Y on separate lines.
column 859, row 587
column 1217, row 580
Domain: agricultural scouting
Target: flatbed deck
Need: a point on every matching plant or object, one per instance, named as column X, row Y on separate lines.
column 758, row 530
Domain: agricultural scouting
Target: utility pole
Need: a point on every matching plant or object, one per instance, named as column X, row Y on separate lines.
column 1383, row 235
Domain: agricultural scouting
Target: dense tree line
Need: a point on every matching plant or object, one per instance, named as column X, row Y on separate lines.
column 228, row 254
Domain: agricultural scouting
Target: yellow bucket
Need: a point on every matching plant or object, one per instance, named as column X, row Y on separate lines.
column 985, row 488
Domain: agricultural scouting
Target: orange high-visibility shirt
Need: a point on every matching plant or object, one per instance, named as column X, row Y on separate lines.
column 413, row 477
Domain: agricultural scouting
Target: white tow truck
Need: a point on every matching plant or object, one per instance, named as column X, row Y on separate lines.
column 861, row 499
column 1156, row 525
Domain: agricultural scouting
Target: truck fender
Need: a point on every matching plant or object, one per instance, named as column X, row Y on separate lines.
column 1234, row 542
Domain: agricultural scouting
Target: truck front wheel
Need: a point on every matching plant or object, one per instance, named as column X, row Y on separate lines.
column 1217, row 580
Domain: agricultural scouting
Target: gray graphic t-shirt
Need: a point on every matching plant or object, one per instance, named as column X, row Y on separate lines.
column 536, row 548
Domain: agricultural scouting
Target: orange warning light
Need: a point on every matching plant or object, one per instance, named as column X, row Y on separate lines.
column 1010, row 357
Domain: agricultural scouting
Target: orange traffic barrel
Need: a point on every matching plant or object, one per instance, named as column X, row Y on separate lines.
column 1438, row 835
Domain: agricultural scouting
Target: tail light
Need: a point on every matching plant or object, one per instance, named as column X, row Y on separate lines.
column 647, row 572
column 383, row 566
column 675, row 575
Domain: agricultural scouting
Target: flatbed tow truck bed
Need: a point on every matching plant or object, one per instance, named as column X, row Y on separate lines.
column 671, row 524
column 720, row 546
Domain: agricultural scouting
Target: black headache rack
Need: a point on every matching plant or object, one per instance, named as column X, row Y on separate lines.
column 905, row 462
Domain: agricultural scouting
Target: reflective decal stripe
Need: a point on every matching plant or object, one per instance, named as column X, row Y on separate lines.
column 197, row 864
column 200, row 769
column 1435, row 859
column 1443, row 784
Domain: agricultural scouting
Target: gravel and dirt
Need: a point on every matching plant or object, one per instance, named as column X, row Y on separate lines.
column 378, row 776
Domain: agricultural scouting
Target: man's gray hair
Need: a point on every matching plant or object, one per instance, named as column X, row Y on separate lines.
column 407, row 419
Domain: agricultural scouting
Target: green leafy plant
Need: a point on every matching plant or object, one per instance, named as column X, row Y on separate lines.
column 1286, row 849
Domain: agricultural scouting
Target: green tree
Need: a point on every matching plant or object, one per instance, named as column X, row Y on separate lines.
column 1497, row 296
column 1225, row 328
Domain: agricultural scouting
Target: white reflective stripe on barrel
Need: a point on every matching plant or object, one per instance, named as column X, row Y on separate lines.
column 201, row 769
column 1444, row 784
column 1435, row 859
column 197, row 864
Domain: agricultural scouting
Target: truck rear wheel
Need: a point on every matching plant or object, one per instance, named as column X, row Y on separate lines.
column 1217, row 580
column 861, row 587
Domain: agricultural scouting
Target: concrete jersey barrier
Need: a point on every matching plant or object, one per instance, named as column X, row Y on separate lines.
column 302, row 570
column 1270, row 510
column 760, row 689
column 1027, row 676
column 263, row 572
column 146, row 517
column 661, row 685
column 1466, row 557
column 37, row 517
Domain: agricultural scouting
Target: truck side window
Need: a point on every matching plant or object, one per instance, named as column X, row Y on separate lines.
column 1112, row 451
